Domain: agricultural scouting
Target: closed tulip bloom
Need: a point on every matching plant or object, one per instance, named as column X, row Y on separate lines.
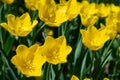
column 113, row 8
column 74, row 78
column 19, row 26
column 32, row 4
column 88, row 13
column 8, row 1
column 56, row 50
column 118, row 27
column 94, row 39
column 29, row 61
column 61, row 15
column 49, row 32
column 51, row 13
column 111, row 25
column 103, row 10
column 73, row 8
column 88, row 8
column 118, row 22
column 106, row 79
column 62, row 1
column 55, row 14
column 110, row 31
column 47, row 12
column 87, row 79
column 88, row 20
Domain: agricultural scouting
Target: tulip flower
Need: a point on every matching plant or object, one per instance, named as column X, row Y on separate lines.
column 74, row 78
column 29, row 61
column 32, row 4
column 94, row 38
column 51, row 13
column 19, row 26
column 56, row 50
column 8, row 1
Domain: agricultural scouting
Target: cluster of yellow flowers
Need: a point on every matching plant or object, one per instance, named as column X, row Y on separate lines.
column 8, row 1
column 19, row 26
column 30, row 60
column 76, row 78
column 55, row 14
column 95, row 38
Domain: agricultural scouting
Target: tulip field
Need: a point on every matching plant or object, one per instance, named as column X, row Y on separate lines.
column 59, row 39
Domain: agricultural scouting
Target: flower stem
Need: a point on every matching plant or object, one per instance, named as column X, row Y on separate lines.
column 34, row 37
column 47, row 73
column 107, row 54
column 6, row 62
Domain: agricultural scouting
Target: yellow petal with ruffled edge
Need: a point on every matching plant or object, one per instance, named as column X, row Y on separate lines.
column 73, row 8
column 94, row 39
column 29, row 61
column 74, row 77
column 32, row 4
column 8, row 1
column 19, row 26
column 56, row 50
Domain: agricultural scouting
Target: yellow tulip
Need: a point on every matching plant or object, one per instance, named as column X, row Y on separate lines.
column 88, row 8
column 88, row 20
column 62, row 1
column 19, row 26
column 55, row 14
column 118, row 22
column 103, row 10
column 87, row 79
column 8, row 1
column 119, row 48
column 118, row 27
column 94, row 39
column 51, row 13
column 56, row 50
column 61, row 15
column 110, row 31
column 111, row 25
column 74, row 78
column 113, row 8
column 106, row 79
column 73, row 8
column 49, row 32
column 29, row 61
column 32, row 4
column 88, row 13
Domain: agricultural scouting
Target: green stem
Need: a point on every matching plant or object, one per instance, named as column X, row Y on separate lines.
column 1, row 40
column 115, row 71
column 62, row 29
column 47, row 73
column 34, row 37
column 65, row 28
column 107, row 53
column 92, row 62
column 59, row 72
column 6, row 62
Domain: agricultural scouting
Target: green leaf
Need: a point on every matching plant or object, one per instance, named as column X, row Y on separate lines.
column 83, row 66
column 6, row 62
column 8, row 45
column 78, row 48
